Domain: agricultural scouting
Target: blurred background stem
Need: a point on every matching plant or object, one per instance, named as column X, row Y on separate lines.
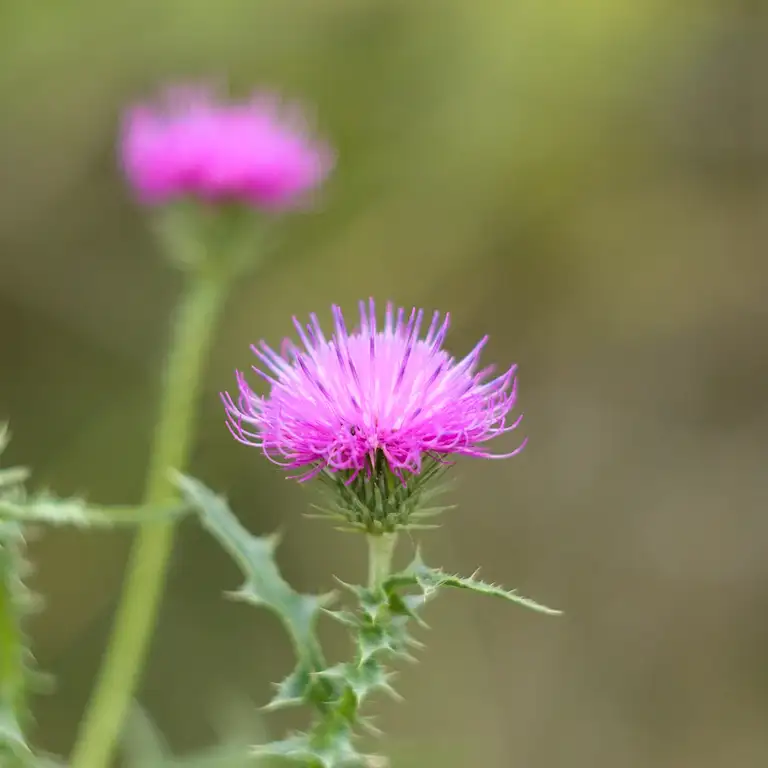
column 192, row 333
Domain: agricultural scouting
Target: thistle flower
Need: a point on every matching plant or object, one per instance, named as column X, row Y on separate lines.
column 191, row 144
column 372, row 399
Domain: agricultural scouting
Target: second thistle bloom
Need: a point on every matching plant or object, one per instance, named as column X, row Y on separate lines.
column 193, row 145
column 372, row 399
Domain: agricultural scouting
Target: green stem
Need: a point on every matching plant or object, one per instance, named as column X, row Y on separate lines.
column 381, row 548
column 333, row 731
column 192, row 335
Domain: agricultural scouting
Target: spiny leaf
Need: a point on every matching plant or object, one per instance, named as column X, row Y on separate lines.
column 53, row 511
column 363, row 679
column 293, row 691
column 265, row 586
column 335, row 750
column 347, row 618
column 11, row 736
column 494, row 590
column 432, row 579
column 15, row 603
column 296, row 747
column 367, row 724
column 15, row 658
column 370, row 601
column 44, row 507
column 407, row 606
column 373, row 640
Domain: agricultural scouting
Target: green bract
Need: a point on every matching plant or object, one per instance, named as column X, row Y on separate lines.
column 382, row 502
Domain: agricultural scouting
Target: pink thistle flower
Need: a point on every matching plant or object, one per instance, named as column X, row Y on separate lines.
column 193, row 145
column 372, row 398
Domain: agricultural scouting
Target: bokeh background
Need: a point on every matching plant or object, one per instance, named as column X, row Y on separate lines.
column 588, row 183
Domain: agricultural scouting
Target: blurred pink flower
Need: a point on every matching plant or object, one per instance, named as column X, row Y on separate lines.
column 191, row 144
column 339, row 404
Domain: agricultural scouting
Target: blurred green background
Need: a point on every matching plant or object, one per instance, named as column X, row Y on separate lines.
column 588, row 183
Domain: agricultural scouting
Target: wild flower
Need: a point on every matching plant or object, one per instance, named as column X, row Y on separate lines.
column 192, row 144
column 370, row 397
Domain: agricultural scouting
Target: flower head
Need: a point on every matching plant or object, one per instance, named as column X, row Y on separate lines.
column 193, row 145
column 372, row 398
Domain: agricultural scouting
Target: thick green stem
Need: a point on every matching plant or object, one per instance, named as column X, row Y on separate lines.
column 381, row 548
column 192, row 334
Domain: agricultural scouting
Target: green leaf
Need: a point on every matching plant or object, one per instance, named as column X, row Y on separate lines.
column 432, row 579
column 293, row 691
column 264, row 585
column 336, row 692
column 333, row 750
column 50, row 510
column 15, row 603
column 494, row 590
column 347, row 618
column 11, row 735
column 363, row 679
column 296, row 748
column 373, row 640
